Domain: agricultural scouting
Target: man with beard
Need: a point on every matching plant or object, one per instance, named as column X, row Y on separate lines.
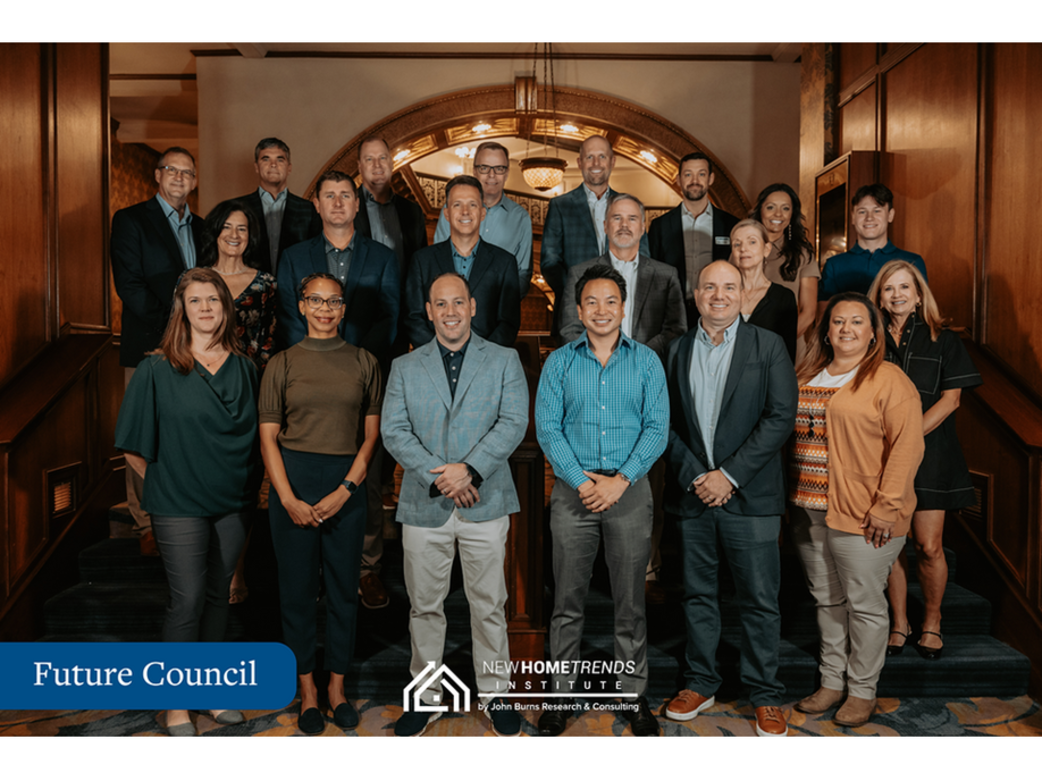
column 694, row 234
column 574, row 229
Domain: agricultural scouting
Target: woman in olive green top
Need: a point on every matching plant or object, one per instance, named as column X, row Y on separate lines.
column 188, row 425
column 319, row 422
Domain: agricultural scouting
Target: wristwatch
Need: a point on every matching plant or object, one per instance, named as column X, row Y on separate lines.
column 352, row 488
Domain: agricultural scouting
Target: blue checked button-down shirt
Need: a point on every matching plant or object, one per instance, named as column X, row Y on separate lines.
column 710, row 364
column 590, row 417
column 182, row 227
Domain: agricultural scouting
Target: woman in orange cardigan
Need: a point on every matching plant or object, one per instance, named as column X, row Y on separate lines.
column 858, row 443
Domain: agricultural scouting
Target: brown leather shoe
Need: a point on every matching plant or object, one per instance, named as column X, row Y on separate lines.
column 374, row 596
column 654, row 593
column 855, row 712
column 819, row 701
column 770, row 722
column 148, row 545
column 687, row 704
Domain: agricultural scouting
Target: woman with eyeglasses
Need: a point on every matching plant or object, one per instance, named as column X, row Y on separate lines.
column 319, row 418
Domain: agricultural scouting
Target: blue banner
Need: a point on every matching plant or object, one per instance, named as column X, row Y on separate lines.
column 146, row 675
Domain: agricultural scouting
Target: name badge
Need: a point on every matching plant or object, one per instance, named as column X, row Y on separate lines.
column 723, row 240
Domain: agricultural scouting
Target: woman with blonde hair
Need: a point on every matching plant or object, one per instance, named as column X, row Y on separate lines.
column 940, row 368
column 764, row 303
column 857, row 444
column 188, row 425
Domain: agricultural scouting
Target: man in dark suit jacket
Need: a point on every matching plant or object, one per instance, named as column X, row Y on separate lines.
column 733, row 397
column 151, row 246
column 709, row 228
column 283, row 216
column 490, row 271
column 655, row 306
column 366, row 268
column 571, row 234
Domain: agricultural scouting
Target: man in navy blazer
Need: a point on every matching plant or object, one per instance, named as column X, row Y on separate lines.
column 455, row 409
column 491, row 272
column 285, row 219
column 733, row 394
column 574, row 228
column 695, row 227
column 366, row 268
column 151, row 246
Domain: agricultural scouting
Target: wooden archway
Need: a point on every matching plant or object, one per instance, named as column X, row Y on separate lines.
column 649, row 140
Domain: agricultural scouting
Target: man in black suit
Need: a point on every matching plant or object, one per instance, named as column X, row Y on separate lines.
column 693, row 234
column 152, row 244
column 490, row 271
column 733, row 394
column 285, row 219
column 400, row 225
column 372, row 297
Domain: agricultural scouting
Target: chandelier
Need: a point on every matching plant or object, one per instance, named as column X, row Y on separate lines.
column 546, row 172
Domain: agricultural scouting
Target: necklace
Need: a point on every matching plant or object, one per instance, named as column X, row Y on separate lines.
column 232, row 273
column 207, row 363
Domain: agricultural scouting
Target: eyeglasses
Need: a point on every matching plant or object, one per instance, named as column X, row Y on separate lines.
column 499, row 170
column 175, row 172
column 316, row 301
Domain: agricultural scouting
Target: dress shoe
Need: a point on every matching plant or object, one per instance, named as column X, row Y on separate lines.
column 654, row 593
column 929, row 653
column 227, row 717
column 182, row 730
column 821, row 700
column 855, row 712
column 374, row 596
column 553, row 722
column 147, row 544
column 770, row 722
column 892, row 650
column 642, row 722
column 311, row 721
column 504, row 719
column 413, row 724
column 345, row 715
column 687, row 704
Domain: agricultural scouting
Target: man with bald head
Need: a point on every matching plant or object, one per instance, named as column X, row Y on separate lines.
column 733, row 393
column 574, row 229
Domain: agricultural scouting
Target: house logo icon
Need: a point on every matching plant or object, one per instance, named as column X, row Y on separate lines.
column 412, row 696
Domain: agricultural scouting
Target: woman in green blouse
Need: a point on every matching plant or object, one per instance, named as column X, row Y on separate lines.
column 188, row 425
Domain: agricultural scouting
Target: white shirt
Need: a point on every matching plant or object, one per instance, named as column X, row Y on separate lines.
column 698, row 245
column 598, row 212
column 628, row 269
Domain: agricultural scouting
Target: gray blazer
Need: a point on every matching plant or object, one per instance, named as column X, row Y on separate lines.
column 658, row 313
column 424, row 427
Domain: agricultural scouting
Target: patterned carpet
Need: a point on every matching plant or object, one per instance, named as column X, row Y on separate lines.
column 984, row 716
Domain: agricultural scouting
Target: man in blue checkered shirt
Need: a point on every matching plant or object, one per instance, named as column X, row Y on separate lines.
column 602, row 418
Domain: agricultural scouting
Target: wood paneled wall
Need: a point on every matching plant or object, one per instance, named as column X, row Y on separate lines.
column 60, row 381
column 959, row 140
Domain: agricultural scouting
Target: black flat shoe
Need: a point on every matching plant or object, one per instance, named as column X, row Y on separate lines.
column 642, row 721
column 345, row 715
column 311, row 721
column 892, row 650
column 930, row 653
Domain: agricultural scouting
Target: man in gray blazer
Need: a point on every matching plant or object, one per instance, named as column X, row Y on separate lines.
column 572, row 233
column 655, row 308
column 455, row 409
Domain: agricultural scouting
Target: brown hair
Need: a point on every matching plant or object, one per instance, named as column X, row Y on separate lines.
column 820, row 352
column 929, row 311
column 176, row 345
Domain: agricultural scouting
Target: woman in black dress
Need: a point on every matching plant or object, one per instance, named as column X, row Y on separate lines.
column 764, row 303
column 938, row 365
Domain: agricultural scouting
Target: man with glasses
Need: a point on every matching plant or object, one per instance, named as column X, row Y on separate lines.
column 506, row 224
column 152, row 244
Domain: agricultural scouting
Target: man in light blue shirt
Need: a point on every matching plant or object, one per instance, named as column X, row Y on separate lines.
column 506, row 224
column 601, row 418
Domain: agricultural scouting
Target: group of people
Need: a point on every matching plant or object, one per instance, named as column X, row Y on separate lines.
column 681, row 385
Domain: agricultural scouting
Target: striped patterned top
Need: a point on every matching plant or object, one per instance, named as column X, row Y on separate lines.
column 809, row 471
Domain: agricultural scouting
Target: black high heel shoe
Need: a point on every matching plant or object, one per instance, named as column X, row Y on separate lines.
column 930, row 653
column 892, row 650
